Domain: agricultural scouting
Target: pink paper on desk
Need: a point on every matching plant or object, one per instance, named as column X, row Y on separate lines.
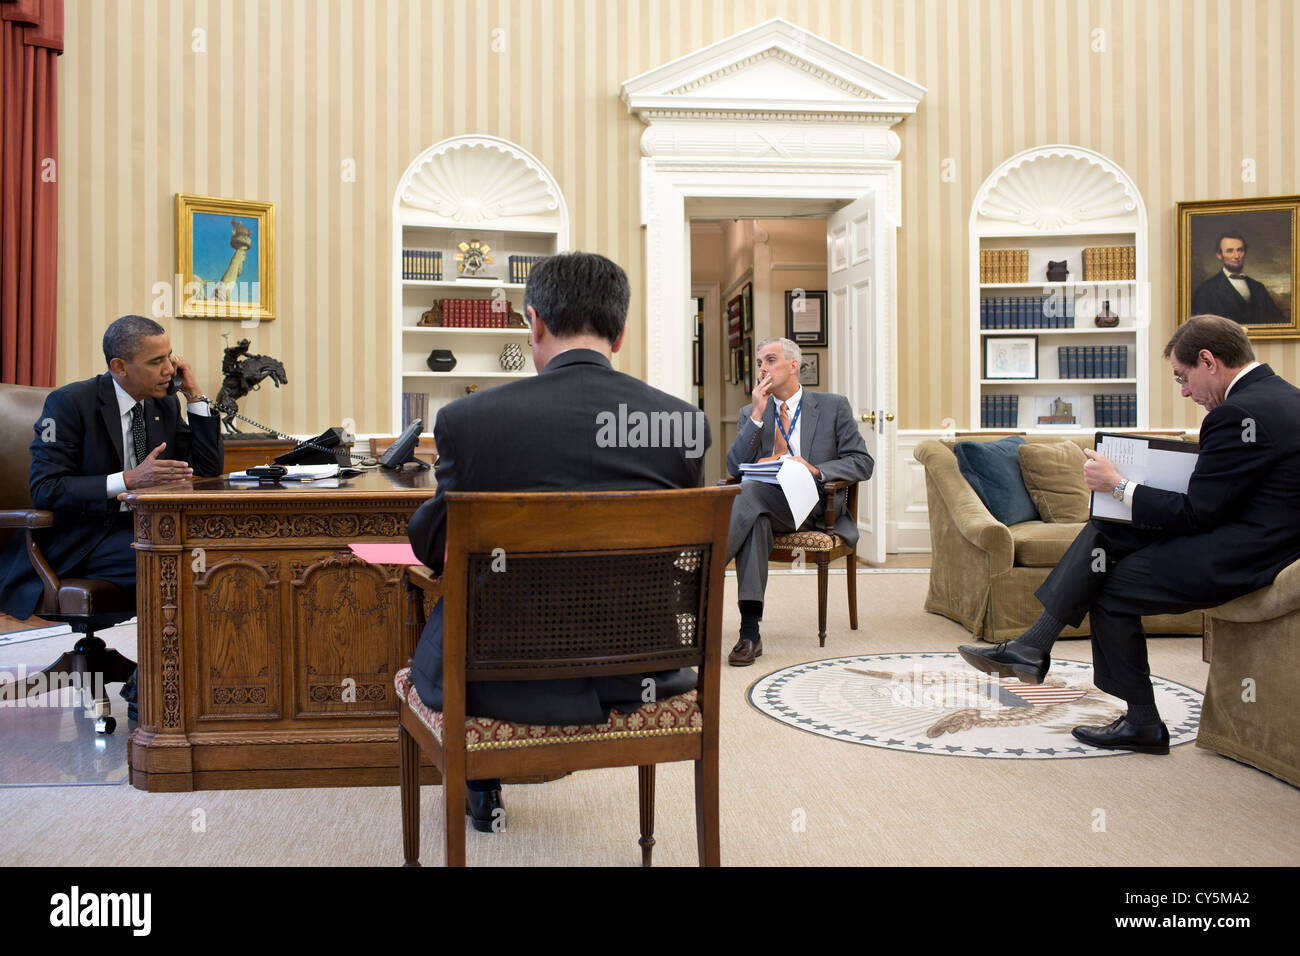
column 400, row 553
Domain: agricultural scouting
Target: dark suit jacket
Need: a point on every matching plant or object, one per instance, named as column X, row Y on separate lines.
column 1239, row 522
column 540, row 434
column 828, row 437
column 1216, row 296
column 69, row 475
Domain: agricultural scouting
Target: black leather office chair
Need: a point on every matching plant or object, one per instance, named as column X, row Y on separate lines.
column 87, row 605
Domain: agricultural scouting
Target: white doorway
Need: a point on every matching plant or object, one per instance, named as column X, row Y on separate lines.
column 780, row 122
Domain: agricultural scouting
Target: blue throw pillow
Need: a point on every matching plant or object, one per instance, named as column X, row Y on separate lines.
column 993, row 470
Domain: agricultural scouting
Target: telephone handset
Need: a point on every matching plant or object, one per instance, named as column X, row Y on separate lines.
column 175, row 385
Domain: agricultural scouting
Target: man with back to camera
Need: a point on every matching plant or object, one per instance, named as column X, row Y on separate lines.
column 1236, row 527
column 783, row 419
column 543, row 434
column 1233, row 294
column 98, row 438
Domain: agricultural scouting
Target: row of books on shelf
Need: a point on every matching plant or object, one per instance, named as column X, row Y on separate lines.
column 1109, row 263
column 520, row 266
column 1004, row 265
column 415, row 405
column 423, row 264
column 1027, row 312
column 1109, row 411
column 1092, row 361
column 1115, row 411
column 999, row 411
column 475, row 313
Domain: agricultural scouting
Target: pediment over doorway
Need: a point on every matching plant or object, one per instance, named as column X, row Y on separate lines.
column 774, row 70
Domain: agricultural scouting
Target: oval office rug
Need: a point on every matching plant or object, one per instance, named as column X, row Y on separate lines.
column 937, row 703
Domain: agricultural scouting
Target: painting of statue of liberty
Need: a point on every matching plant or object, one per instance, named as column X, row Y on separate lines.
column 225, row 257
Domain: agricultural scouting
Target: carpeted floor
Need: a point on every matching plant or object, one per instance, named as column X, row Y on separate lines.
column 788, row 797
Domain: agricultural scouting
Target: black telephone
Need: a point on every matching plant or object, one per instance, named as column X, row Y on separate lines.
column 174, row 386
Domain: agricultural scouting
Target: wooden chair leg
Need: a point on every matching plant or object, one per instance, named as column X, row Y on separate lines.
column 852, row 569
column 454, row 791
column 823, row 562
column 706, row 812
column 409, row 761
column 646, row 794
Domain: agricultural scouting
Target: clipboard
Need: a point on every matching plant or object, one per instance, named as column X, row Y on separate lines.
column 1165, row 463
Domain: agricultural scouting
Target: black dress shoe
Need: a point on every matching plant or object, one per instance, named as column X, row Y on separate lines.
column 745, row 652
column 486, row 812
column 1121, row 735
column 128, row 692
column 1008, row 659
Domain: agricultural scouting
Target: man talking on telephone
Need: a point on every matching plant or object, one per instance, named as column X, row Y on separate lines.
column 98, row 438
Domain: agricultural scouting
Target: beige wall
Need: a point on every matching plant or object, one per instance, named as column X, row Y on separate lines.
column 286, row 92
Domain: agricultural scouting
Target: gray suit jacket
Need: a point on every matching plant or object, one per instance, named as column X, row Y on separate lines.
column 828, row 437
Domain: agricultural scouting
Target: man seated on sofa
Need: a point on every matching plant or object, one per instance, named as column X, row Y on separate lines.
column 1236, row 527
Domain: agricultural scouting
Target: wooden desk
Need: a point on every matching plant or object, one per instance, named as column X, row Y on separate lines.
column 266, row 648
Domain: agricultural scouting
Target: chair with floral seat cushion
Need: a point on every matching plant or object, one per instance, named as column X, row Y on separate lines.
column 823, row 546
column 550, row 586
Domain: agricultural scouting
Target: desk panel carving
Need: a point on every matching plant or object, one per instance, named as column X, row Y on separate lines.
column 237, row 622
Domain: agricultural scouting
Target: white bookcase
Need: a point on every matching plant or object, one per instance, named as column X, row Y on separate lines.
column 462, row 189
column 1055, row 201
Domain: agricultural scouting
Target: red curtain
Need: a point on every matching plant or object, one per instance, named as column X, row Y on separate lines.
column 31, row 36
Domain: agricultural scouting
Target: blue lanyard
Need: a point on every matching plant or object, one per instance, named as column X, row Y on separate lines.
column 793, row 422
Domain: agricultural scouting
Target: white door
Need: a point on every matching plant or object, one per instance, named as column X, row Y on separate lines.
column 857, row 348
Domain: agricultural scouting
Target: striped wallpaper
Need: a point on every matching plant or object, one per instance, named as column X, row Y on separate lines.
column 278, row 99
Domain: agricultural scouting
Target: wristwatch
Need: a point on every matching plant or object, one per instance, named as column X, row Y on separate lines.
column 1118, row 492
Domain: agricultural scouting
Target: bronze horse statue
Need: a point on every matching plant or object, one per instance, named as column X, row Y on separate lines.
column 243, row 373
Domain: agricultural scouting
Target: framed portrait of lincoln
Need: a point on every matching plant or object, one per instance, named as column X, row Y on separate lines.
column 1238, row 258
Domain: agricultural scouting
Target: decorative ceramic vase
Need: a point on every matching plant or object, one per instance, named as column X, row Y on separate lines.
column 441, row 360
column 1106, row 319
column 512, row 358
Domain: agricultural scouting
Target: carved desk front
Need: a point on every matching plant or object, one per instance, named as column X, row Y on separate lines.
column 266, row 648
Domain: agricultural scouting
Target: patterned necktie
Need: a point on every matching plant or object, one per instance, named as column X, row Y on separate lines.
column 781, row 448
column 137, row 433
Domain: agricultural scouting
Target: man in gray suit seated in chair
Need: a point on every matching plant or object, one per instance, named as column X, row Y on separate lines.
column 816, row 429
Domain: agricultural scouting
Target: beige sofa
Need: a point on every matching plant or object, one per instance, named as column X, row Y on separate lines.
column 1253, row 646
column 983, row 573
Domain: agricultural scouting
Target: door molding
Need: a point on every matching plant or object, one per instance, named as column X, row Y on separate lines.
column 771, row 112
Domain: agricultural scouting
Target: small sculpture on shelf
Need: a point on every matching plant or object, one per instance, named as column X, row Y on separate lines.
column 1106, row 319
column 1060, row 413
column 243, row 373
column 1058, row 271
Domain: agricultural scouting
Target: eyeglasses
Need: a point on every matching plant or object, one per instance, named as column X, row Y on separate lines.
column 1181, row 380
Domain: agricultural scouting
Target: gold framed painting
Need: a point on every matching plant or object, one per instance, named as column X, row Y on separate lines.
column 225, row 256
column 1239, row 258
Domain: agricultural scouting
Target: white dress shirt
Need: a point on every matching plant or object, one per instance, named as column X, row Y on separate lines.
column 117, row 481
column 792, row 406
column 1243, row 290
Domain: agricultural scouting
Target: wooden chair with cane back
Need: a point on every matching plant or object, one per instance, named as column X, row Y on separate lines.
column 561, row 585
column 822, row 545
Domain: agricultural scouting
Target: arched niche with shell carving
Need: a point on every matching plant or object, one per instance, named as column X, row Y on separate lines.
column 470, row 214
column 1058, row 348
